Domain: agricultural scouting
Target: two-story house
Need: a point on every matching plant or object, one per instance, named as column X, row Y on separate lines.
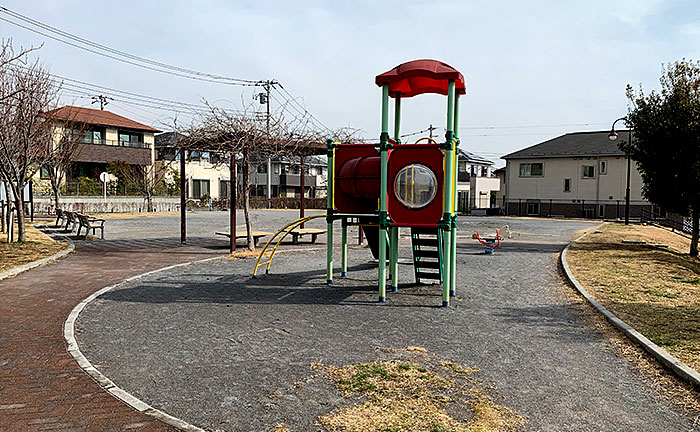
column 107, row 137
column 580, row 174
column 207, row 173
column 475, row 182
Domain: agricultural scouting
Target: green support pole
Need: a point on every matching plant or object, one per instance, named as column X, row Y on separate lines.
column 383, row 152
column 329, row 213
column 453, row 239
column 449, row 194
column 344, row 259
column 394, row 271
column 394, row 236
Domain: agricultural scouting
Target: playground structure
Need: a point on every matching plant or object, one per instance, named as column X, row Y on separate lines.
column 268, row 251
column 393, row 185
column 492, row 243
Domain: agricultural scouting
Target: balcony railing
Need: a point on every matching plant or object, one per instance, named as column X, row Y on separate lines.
column 118, row 143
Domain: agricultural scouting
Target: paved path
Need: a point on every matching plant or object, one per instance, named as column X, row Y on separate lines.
column 41, row 386
column 215, row 348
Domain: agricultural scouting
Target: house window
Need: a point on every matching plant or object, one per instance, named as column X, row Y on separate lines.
column 262, row 168
column 223, row 189
column 200, row 188
column 195, row 156
column 535, row 169
column 92, row 137
column 44, row 173
column 603, row 167
column 567, row 185
column 484, row 171
column 588, row 171
column 130, row 139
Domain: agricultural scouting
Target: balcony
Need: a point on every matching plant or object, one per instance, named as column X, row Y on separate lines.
column 104, row 151
column 295, row 180
column 118, row 143
column 463, row 176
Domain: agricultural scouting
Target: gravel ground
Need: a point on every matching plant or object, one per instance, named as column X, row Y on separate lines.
column 212, row 346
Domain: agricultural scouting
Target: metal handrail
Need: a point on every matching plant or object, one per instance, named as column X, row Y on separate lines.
column 118, row 143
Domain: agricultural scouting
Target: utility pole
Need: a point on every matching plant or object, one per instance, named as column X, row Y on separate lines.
column 265, row 99
column 431, row 128
column 102, row 99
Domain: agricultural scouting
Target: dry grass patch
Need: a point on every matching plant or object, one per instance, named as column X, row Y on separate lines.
column 655, row 290
column 416, row 393
column 37, row 246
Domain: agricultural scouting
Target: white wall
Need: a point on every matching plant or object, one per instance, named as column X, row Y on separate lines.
column 602, row 187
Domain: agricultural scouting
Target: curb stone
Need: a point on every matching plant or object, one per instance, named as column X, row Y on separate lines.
column 24, row 267
column 103, row 381
column 682, row 370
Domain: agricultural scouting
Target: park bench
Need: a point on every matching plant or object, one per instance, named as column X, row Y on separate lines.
column 313, row 232
column 60, row 217
column 257, row 235
column 71, row 220
column 90, row 223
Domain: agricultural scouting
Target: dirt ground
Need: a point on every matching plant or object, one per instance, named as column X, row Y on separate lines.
column 37, row 246
column 653, row 288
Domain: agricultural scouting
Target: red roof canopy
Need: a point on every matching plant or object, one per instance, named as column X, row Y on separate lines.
column 421, row 76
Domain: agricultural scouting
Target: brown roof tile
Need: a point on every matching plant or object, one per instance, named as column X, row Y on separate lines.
column 97, row 117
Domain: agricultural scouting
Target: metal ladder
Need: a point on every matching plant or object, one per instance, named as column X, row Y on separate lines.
column 427, row 254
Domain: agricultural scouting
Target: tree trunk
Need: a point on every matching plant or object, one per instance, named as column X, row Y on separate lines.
column 55, row 191
column 696, row 229
column 149, row 201
column 21, row 230
column 246, row 200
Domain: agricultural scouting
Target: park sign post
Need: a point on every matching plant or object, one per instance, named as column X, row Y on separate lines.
column 104, row 177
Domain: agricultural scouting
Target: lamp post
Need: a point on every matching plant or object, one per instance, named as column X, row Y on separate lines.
column 613, row 136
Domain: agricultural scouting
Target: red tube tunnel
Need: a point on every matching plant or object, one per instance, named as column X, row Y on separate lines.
column 414, row 199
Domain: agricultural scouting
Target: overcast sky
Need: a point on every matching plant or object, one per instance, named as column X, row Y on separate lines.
column 534, row 69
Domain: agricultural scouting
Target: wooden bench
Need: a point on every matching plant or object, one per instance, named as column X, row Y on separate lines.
column 257, row 235
column 91, row 223
column 71, row 220
column 60, row 217
column 314, row 232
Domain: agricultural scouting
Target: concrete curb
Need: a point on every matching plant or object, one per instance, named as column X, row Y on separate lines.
column 683, row 371
column 24, row 267
column 103, row 381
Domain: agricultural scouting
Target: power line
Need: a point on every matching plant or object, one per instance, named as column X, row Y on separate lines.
column 122, row 56
column 70, row 39
column 90, row 89
column 294, row 100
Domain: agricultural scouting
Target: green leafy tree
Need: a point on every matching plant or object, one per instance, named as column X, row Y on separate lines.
column 666, row 142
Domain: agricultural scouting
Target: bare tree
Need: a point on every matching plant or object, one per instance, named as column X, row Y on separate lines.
column 147, row 178
column 25, row 93
column 242, row 134
column 63, row 149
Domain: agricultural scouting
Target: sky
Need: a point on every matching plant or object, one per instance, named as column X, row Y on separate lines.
column 534, row 69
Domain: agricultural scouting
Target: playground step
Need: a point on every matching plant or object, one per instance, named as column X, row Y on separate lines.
column 427, row 264
column 426, row 253
column 426, row 275
column 426, row 243
column 422, row 241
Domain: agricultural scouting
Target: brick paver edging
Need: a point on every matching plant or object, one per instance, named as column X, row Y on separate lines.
column 103, row 381
column 24, row 267
column 684, row 371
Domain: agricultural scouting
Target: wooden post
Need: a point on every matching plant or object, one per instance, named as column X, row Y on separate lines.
column 303, row 186
column 183, row 198
column 232, row 218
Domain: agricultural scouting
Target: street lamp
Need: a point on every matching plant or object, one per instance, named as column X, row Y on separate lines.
column 613, row 136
